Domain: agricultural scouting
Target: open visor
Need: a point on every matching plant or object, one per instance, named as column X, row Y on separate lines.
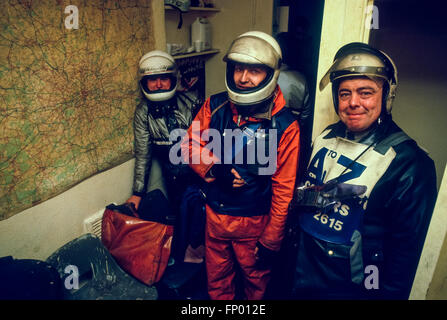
column 326, row 78
column 358, row 64
column 334, row 74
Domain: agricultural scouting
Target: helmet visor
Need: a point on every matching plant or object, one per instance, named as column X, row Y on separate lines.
column 357, row 64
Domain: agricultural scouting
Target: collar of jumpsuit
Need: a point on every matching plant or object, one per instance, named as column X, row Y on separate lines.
column 275, row 104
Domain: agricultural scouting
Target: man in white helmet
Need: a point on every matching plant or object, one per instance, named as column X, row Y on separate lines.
column 369, row 190
column 246, row 210
column 162, row 110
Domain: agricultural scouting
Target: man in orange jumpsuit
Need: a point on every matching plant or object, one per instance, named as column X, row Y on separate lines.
column 246, row 202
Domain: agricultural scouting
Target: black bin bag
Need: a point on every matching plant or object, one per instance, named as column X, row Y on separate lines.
column 89, row 272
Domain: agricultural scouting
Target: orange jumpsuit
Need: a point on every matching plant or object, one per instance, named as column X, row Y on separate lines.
column 232, row 239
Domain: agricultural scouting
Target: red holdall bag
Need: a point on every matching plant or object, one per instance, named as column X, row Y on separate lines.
column 140, row 247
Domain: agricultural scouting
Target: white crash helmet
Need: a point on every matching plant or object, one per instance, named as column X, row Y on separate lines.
column 254, row 48
column 157, row 63
column 360, row 59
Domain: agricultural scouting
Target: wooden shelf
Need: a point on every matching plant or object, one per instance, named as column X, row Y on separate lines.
column 196, row 54
column 196, row 9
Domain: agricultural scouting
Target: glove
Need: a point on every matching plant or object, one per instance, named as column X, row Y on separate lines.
column 264, row 257
column 315, row 198
column 223, row 175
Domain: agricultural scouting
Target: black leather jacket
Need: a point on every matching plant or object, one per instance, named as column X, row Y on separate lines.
column 391, row 235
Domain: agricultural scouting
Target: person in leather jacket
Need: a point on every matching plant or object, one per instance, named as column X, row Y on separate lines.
column 246, row 201
column 362, row 214
column 163, row 109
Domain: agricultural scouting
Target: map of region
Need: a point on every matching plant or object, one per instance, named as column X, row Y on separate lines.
column 67, row 95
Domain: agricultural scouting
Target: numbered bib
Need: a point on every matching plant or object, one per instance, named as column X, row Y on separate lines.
column 330, row 157
column 335, row 224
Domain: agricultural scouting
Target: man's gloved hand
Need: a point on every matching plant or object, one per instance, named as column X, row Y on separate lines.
column 264, row 256
column 226, row 176
column 315, row 198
